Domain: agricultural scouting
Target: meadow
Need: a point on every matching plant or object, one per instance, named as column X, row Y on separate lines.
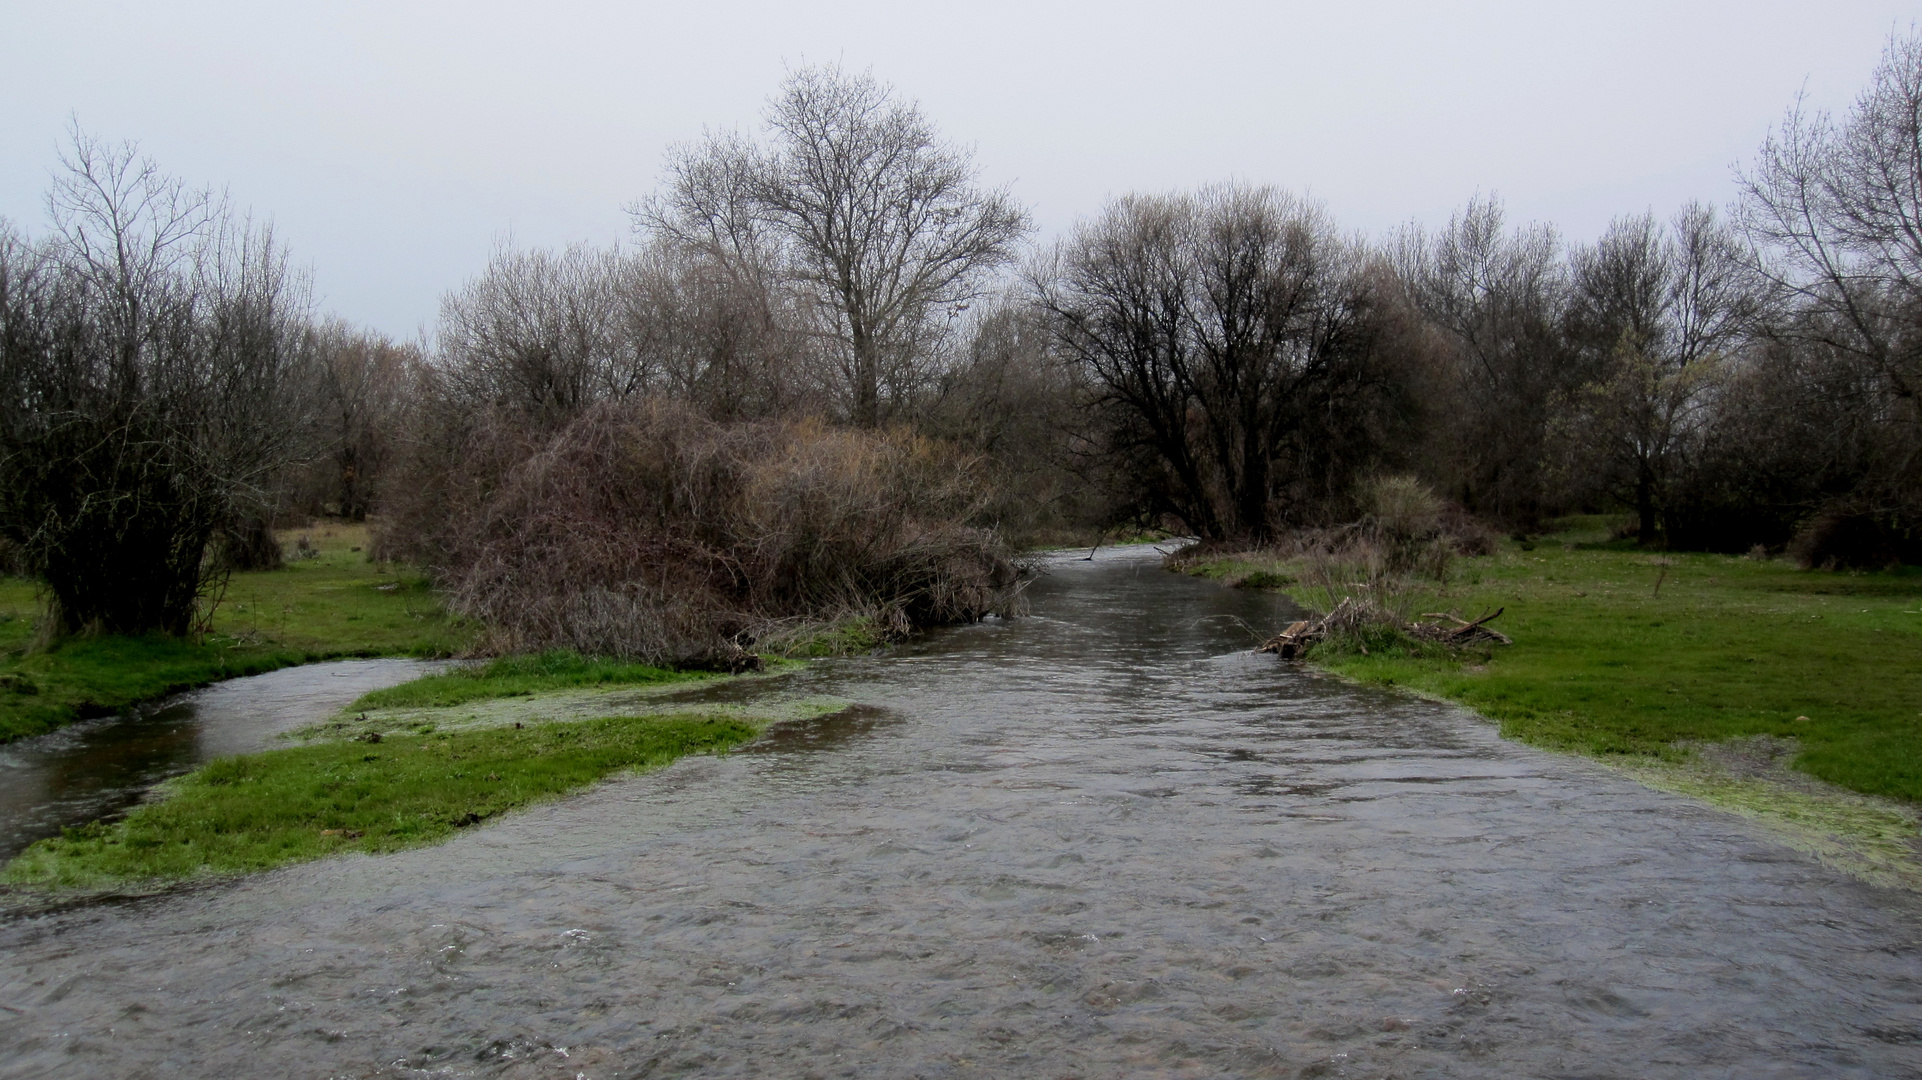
column 1622, row 652
column 330, row 605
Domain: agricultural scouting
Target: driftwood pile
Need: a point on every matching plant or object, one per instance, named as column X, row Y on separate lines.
column 1351, row 615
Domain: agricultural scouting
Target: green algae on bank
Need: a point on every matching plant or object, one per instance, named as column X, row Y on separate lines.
column 456, row 701
column 560, row 707
column 1875, row 839
column 522, row 676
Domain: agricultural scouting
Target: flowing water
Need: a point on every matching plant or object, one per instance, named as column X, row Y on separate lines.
column 1101, row 841
column 96, row 769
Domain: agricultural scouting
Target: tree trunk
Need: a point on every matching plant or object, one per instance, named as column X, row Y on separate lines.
column 867, row 384
column 1645, row 508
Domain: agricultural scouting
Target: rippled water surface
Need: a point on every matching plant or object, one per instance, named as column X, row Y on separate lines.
column 1102, row 841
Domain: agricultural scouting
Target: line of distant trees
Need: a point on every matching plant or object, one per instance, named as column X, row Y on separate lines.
column 1227, row 362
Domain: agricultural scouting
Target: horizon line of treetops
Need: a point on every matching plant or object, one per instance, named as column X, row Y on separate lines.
column 1224, row 361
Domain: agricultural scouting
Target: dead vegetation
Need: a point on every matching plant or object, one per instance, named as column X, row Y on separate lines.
column 646, row 531
column 1353, row 619
column 1361, row 574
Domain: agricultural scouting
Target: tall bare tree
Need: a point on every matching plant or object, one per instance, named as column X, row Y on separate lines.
column 146, row 349
column 1231, row 334
column 1835, row 207
column 364, row 383
column 1662, row 311
column 539, row 333
column 1497, row 295
column 856, row 198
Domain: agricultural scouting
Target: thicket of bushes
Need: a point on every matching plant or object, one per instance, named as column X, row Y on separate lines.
column 645, row 530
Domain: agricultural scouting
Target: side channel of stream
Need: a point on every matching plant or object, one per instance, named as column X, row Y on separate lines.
column 95, row 770
column 1103, row 840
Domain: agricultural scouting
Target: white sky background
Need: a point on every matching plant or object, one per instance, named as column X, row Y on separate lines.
column 392, row 144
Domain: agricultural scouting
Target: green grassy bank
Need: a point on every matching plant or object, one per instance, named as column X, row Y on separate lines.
column 335, row 605
column 519, row 676
column 304, row 802
column 1728, row 648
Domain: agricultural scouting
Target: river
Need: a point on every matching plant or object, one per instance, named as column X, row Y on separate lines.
column 1103, row 840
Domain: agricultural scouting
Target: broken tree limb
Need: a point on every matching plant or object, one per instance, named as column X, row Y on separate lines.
column 1464, row 630
column 1351, row 614
column 1291, row 641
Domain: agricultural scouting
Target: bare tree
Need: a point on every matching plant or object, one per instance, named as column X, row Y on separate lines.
column 364, row 383
column 1835, row 209
column 857, row 199
column 1662, row 311
column 540, row 333
column 721, row 341
column 1497, row 296
column 1231, row 335
column 145, row 349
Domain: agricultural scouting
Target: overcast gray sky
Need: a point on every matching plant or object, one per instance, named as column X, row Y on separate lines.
column 393, row 143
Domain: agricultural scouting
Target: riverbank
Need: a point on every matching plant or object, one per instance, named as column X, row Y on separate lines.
column 1104, row 840
column 1635, row 656
column 1790, row 697
column 403, row 767
column 259, row 811
column 335, row 604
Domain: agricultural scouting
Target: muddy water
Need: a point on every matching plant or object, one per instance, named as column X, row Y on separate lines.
column 1103, row 841
column 95, row 770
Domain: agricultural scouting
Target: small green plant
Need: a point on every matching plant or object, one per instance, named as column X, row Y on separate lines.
column 810, row 639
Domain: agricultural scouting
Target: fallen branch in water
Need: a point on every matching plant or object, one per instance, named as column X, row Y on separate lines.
column 1351, row 615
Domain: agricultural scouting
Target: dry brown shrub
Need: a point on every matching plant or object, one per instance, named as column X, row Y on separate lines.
column 650, row 532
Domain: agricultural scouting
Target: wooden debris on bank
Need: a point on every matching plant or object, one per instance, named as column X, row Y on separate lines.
column 1290, row 642
column 1352, row 614
column 1463, row 632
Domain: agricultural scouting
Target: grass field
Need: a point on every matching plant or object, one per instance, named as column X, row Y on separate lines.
column 1729, row 647
column 335, row 605
column 264, row 810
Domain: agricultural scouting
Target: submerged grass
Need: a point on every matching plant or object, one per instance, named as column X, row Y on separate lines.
column 1631, row 654
column 264, row 810
column 336, row 604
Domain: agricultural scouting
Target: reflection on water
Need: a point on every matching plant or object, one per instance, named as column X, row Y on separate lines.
column 96, row 769
column 1105, row 840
